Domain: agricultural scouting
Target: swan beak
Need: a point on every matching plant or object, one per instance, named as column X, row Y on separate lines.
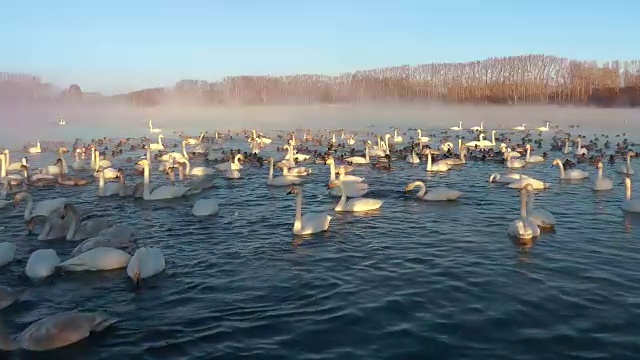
column 290, row 191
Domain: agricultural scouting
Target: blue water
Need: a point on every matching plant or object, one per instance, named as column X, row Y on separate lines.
column 414, row 280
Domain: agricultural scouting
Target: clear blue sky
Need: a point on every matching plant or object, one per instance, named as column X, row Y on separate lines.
column 119, row 45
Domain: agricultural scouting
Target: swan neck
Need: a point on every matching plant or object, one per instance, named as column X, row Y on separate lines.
column 29, row 208
column 561, row 166
column 74, row 223
column 332, row 169
column 271, row 169
column 3, row 172
column 298, row 221
column 184, row 150
column 101, row 184
column 599, row 172
column 366, row 153
column 523, row 205
column 146, row 180
column 423, row 189
column 429, row 161
column 343, row 197
column 627, row 185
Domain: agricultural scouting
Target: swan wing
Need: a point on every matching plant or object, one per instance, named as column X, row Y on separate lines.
column 363, row 204
column 314, row 222
column 41, row 263
column 100, row 258
column 204, row 207
column 46, row 207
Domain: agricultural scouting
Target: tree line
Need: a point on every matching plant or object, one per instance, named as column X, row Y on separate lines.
column 527, row 79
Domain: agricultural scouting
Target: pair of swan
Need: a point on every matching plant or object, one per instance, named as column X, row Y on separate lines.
column 308, row 223
column 531, row 220
column 162, row 192
column 57, row 331
column 355, row 204
column 292, row 155
column 352, row 186
column 16, row 165
column 571, row 174
column 435, row 194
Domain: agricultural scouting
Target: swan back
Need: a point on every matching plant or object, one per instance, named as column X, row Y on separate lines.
column 7, row 253
column 100, row 258
column 146, row 262
column 41, row 264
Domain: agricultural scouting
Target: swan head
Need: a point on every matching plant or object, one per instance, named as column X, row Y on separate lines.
column 556, row 162
column 528, row 188
column 599, row 165
column 333, row 184
column 20, row 197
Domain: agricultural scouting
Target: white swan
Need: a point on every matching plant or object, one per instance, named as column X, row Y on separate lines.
column 513, row 163
column 310, row 223
column 478, row 128
column 79, row 164
column 413, row 157
column 461, row 161
column 528, row 181
column 626, row 167
column 7, row 253
column 97, row 259
column 629, row 204
column 523, row 228
column 506, row 178
column 82, row 230
column 36, row 149
column 16, row 165
column 519, row 128
column 162, row 192
column 118, row 237
column 341, row 170
column 101, row 168
column 54, row 227
column 233, row 164
column 57, row 331
column 7, row 297
column 359, row 159
column 544, row 128
column 422, row 139
column 159, row 145
column 296, row 171
column 43, row 208
column 198, row 170
column 41, row 264
column 434, row 194
column 205, row 207
column 579, row 149
column 571, row 174
column 356, row 204
column 532, row 158
column 281, row 180
column 145, row 263
column 152, row 129
column 602, row 183
column 396, row 138
column 109, row 188
column 176, row 155
column 542, row 218
column 437, row 167
column 457, row 128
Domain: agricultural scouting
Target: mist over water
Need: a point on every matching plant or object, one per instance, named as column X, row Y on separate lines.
column 24, row 123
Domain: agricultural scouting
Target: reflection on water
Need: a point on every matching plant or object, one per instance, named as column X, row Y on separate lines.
column 412, row 280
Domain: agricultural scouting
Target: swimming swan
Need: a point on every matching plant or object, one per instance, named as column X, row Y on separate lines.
column 41, row 264
column 434, row 194
column 205, row 207
column 281, row 180
column 506, row 178
column 57, row 331
column 7, row 253
column 629, row 204
column 310, row 223
column 145, row 263
column 523, row 228
column 524, row 181
column 532, row 158
column 437, row 167
column 571, row 174
column 356, row 204
column 82, row 230
column 97, row 259
column 162, row 192
column 542, row 218
column 626, row 167
column 602, row 183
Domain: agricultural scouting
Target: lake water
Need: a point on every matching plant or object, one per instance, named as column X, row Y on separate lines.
column 412, row 280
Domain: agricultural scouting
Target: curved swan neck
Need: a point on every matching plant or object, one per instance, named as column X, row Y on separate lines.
column 423, row 188
column 561, row 166
column 184, row 150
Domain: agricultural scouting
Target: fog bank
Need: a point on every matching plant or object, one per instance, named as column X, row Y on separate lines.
column 25, row 123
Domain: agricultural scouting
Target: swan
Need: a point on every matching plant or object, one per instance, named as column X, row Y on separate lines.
column 567, row 148
column 341, row 170
column 478, row 128
column 532, row 158
column 145, row 263
column 357, row 204
column 43, row 208
column 434, row 194
column 482, row 143
column 544, row 128
column 626, row 168
column 82, row 230
column 437, row 167
column 352, row 185
column 152, row 129
column 54, row 227
column 579, row 149
column 232, row 174
column 602, row 183
column 158, row 146
column 296, row 171
column 134, row 190
column 57, row 331
column 205, row 207
column 162, row 192
column 97, row 259
column 3, row 194
column 457, row 128
column 281, row 180
column 55, row 168
column 422, row 139
column 107, row 172
column 460, row 161
column 118, row 237
column 519, row 128
column 176, row 155
column 528, row 181
column 7, row 253
column 16, row 165
column 36, row 149
column 542, row 218
column 8, row 296
column 79, row 164
column 359, row 159
column 11, row 179
column 107, row 189
column 293, row 156
column 310, row 223
column 198, row 170
column 41, row 264
column 396, row 138
column 523, row 228
column 68, row 180
column 513, row 163
column 572, row 174
column 413, row 157
column 629, row 204
column 231, row 164
column 351, row 140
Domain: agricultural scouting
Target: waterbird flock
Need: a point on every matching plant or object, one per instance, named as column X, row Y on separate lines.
column 103, row 244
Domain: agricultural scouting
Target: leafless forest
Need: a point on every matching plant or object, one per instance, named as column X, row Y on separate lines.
column 528, row 79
